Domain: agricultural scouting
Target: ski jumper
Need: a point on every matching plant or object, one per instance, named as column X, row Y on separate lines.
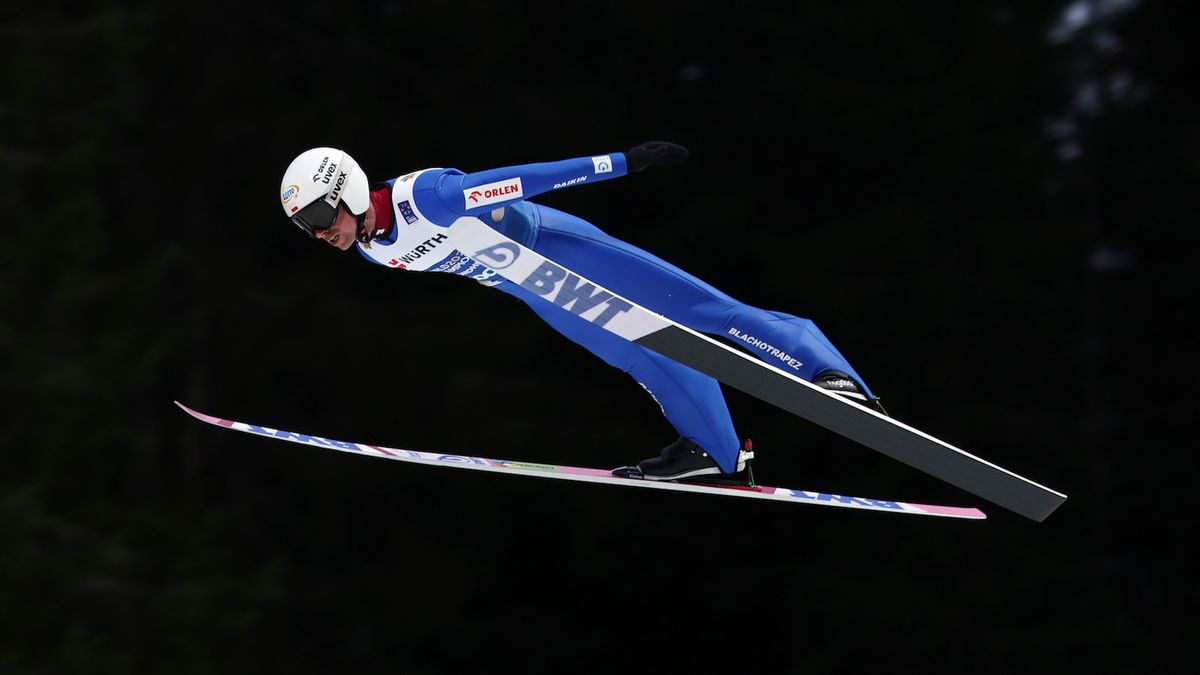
column 425, row 203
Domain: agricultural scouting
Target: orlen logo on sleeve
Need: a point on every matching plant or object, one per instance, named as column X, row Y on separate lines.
column 491, row 193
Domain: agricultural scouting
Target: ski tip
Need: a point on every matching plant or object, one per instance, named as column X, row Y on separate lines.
column 189, row 411
column 204, row 418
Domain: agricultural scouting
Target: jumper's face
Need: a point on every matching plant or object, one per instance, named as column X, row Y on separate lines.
column 342, row 233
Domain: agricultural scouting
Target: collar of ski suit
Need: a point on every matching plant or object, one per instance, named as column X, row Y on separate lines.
column 381, row 199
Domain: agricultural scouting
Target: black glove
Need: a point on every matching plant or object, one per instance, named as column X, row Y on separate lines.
column 654, row 152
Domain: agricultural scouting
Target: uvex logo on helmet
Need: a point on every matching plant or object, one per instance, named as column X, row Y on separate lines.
column 335, row 193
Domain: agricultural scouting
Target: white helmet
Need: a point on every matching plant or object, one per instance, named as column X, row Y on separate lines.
column 316, row 181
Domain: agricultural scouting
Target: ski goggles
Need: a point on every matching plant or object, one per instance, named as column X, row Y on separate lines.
column 315, row 217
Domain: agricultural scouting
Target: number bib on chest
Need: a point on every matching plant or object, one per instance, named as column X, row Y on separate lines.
column 421, row 245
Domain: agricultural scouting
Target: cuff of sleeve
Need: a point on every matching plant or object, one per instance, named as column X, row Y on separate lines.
column 620, row 165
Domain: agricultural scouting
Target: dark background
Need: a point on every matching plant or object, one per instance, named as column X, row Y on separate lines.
column 988, row 206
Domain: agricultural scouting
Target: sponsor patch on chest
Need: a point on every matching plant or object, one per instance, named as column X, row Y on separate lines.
column 406, row 210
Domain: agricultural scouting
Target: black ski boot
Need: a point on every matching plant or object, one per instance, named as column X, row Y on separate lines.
column 679, row 460
column 843, row 385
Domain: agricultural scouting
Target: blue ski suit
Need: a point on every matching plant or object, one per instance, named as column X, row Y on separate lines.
column 692, row 402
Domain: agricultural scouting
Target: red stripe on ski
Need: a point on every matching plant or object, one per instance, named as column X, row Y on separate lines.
column 386, row 452
column 727, row 486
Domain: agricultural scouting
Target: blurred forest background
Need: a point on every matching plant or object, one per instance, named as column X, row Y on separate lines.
column 989, row 206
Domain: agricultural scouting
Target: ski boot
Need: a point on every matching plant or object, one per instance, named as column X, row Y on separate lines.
column 681, row 460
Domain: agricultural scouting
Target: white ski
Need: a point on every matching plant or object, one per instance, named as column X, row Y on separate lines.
column 587, row 475
column 558, row 284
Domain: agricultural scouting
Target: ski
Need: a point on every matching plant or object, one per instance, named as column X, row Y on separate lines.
column 590, row 301
column 586, row 475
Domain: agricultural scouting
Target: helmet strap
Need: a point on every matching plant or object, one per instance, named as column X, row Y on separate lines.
column 363, row 237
